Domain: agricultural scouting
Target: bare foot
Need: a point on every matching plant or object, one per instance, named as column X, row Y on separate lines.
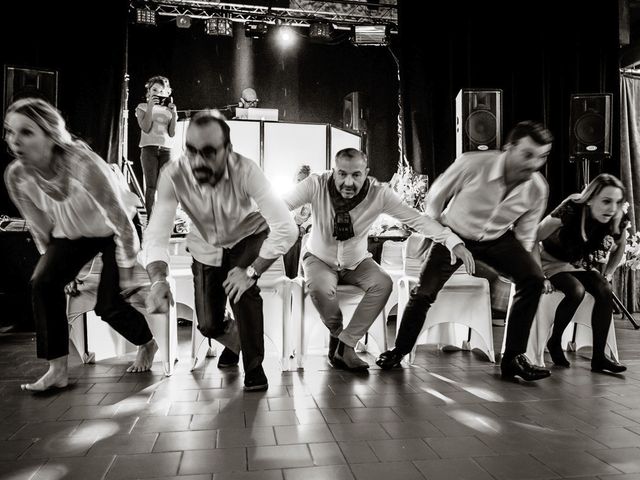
column 144, row 359
column 56, row 377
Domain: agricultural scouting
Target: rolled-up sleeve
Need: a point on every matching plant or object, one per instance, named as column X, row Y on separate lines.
column 526, row 227
column 282, row 229
column 424, row 224
column 100, row 185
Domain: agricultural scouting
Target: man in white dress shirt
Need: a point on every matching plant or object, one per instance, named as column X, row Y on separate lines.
column 494, row 201
column 239, row 228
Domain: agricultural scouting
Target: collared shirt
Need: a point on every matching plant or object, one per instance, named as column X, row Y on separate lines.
column 479, row 206
column 380, row 199
column 84, row 199
column 241, row 204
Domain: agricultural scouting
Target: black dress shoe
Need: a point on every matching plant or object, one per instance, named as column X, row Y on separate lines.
column 603, row 365
column 228, row 358
column 255, row 380
column 520, row 366
column 557, row 355
column 389, row 359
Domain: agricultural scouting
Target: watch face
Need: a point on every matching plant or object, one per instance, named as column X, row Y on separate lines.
column 251, row 272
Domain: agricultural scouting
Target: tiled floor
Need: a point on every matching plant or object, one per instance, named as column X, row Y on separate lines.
column 448, row 417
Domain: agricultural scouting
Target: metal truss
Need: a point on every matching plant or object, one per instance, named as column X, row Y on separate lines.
column 301, row 13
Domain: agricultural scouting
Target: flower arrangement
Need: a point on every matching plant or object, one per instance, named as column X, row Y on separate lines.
column 411, row 186
column 412, row 189
column 631, row 258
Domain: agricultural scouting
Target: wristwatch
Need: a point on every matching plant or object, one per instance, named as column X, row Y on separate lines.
column 251, row 273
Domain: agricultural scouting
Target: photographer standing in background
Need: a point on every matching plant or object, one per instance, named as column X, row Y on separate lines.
column 157, row 119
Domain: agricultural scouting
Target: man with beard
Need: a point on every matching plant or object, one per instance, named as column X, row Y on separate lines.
column 494, row 201
column 345, row 203
column 239, row 228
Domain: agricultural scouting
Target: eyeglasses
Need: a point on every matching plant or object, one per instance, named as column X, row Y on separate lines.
column 208, row 151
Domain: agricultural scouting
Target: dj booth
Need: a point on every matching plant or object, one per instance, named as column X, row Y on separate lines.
column 280, row 148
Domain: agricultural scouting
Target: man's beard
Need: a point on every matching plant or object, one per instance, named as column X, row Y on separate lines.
column 205, row 175
column 347, row 192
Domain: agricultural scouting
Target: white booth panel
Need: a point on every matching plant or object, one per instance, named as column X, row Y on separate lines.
column 341, row 139
column 245, row 138
column 289, row 145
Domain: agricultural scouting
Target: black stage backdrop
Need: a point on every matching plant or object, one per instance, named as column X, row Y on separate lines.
column 307, row 83
column 84, row 42
column 538, row 53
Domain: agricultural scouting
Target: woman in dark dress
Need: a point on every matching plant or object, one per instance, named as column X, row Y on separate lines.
column 582, row 229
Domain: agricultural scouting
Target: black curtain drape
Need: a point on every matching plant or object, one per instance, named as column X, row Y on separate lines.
column 307, row 82
column 85, row 43
column 538, row 53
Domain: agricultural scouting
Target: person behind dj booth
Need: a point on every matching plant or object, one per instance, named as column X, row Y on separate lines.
column 248, row 99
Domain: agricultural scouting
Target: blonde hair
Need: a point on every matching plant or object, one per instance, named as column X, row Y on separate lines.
column 594, row 188
column 50, row 121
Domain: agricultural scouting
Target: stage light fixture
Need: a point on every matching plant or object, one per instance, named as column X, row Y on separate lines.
column 218, row 26
column 145, row 16
column 320, row 31
column 183, row 21
column 255, row 29
column 370, row 35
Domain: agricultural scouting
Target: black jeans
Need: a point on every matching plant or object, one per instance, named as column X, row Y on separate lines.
column 211, row 300
column 153, row 158
column 56, row 268
column 574, row 285
column 506, row 255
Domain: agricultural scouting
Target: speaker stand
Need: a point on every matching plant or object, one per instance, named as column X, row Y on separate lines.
column 583, row 171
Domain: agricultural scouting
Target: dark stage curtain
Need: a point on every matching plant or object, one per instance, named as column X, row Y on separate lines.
column 85, row 43
column 538, row 53
column 307, row 83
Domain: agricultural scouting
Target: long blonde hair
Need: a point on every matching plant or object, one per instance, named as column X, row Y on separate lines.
column 49, row 119
column 594, row 188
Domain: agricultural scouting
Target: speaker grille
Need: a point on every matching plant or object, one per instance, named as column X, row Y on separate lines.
column 589, row 128
column 481, row 127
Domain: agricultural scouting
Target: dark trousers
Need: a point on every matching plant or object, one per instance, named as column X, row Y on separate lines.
column 574, row 285
column 56, row 268
column 211, row 300
column 153, row 158
column 506, row 255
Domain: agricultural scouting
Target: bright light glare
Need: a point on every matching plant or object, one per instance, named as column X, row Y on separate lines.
column 286, row 36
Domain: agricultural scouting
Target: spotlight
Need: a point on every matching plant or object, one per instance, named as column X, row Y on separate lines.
column 183, row 21
column 286, row 36
column 370, row 35
column 320, row 31
column 145, row 17
column 218, row 26
column 255, row 29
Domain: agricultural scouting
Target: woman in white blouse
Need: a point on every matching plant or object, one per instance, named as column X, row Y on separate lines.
column 75, row 209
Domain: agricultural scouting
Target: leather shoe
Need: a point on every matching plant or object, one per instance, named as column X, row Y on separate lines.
column 346, row 357
column 255, row 380
column 228, row 358
column 520, row 366
column 604, row 365
column 389, row 359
